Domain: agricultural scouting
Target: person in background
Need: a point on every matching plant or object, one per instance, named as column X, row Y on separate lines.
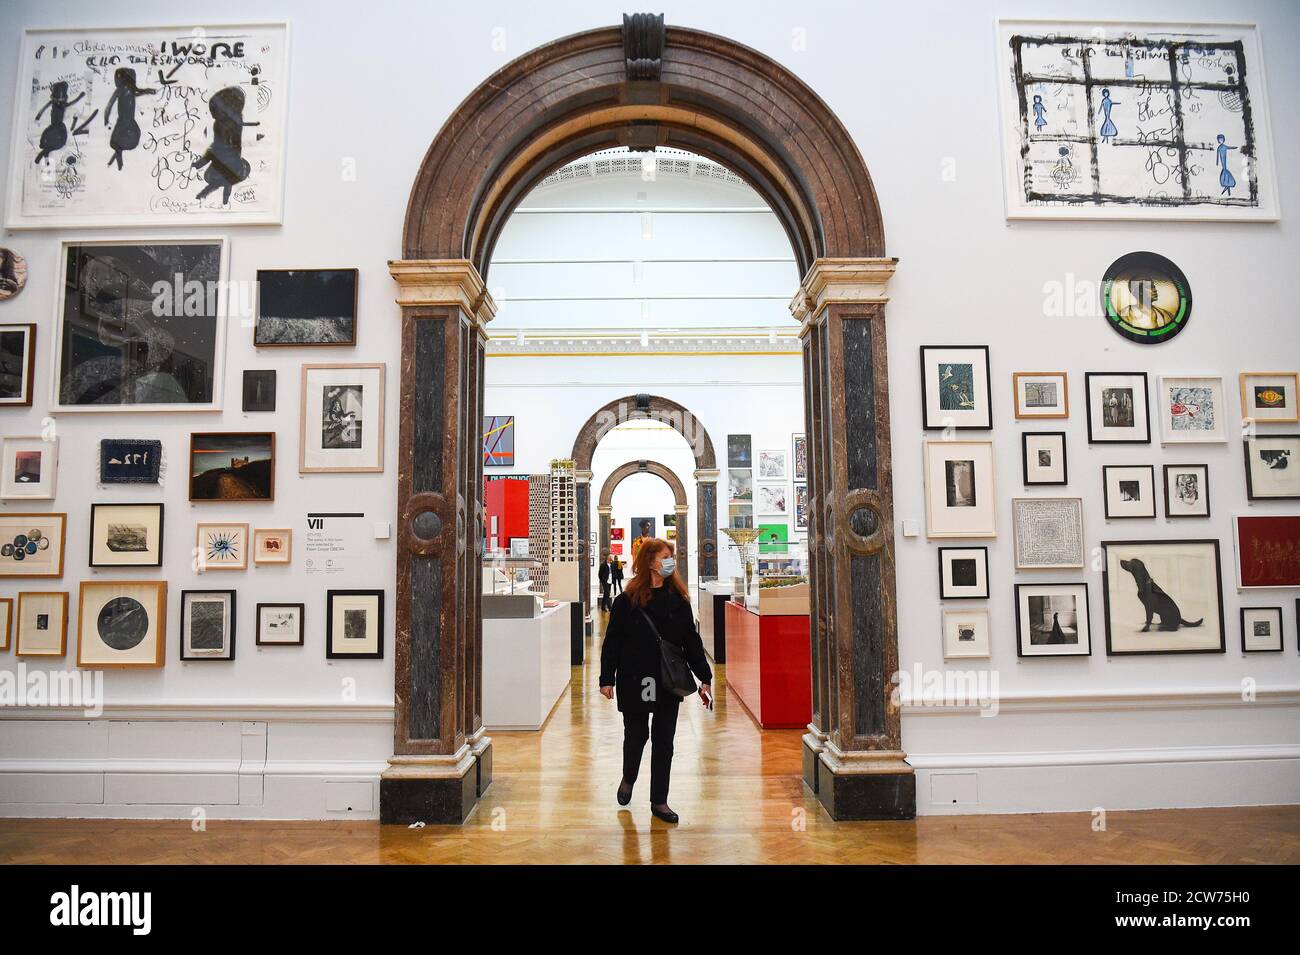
column 616, row 576
column 603, row 575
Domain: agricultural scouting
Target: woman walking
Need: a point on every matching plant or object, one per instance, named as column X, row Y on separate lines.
column 616, row 575
column 655, row 606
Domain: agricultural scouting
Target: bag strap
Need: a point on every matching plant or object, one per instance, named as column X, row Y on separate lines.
column 653, row 629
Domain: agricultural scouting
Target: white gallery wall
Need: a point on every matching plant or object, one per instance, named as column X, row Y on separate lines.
column 284, row 732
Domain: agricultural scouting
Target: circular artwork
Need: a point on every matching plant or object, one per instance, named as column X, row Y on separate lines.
column 123, row 623
column 13, row 273
column 1146, row 298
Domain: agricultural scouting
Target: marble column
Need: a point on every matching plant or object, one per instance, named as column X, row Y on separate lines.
column 606, row 515
column 582, row 501
column 683, row 540
column 706, row 503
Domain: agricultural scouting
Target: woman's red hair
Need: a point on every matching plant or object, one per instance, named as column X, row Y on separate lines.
column 639, row 588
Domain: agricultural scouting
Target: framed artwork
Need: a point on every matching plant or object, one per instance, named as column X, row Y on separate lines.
column 740, row 485
column 259, row 389
column 801, row 507
column 1042, row 394
column 42, row 624
column 1273, row 467
column 1117, row 407
column 200, row 144
column 306, row 307
column 740, row 451
column 616, row 533
column 1146, row 298
column 1129, row 490
column 221, row 547
column 6, row 621
column 773, row 538
column 129, row 461
column 1052, row 620
column 799, row 455
column 1269, row 395
column 273, row 545
column 126, row 535
column 207, row 625
column 644, row 527
column 959, row 489
column 966, row 634
column 122, row 624
column 13, row 274
column 1042, row 458
column 17, row 365
column 31, row 545
column 1261, row 629
column 230, row 466
column 955, row 387
column 498, row 441
column 1267, row 547
column 280, row 625
column 772, row 499
column 1163, row 597
column 1048, row 532
column 1187, row 490
column 963, row 573
column 1191, row 410
column 1096, row 125
column 740, row 515
column 354, row 624
column 771, row 465
column 120, row 344
column 29, row 468
column 670, row 520
column 342, row 423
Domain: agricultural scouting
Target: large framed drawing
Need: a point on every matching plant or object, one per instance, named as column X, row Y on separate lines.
column 139, row 325
column 1124, row 120
column 1163, row 597
column 147, row 126
column 342, row 424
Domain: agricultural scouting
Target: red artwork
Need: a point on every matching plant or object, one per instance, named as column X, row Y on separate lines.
column 616, row 549
column 616, row 533
column 1268, row 550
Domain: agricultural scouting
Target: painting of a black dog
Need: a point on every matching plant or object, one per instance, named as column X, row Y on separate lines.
column 1155, row 601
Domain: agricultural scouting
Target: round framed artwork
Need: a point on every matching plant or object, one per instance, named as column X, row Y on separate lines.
column 13, row 273
column 1146, row 298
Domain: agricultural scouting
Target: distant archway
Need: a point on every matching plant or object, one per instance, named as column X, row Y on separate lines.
column 605, row 506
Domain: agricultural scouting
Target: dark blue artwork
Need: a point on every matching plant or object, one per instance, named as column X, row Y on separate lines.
column 129, row 461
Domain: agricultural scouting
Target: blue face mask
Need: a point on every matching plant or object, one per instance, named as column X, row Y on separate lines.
column 667, row 566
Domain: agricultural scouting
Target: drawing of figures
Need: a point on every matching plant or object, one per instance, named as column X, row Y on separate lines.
column 55, row 136
column 126, row 132
column 1063, row 171
column 1108, row 128
column 1226, row 179
column 1040, row 111
column 225, row 155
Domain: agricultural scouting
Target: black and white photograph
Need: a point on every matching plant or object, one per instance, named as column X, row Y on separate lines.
column 354, row 624
column 959, row 483
column 966, row 634
column 1129, row 490
column 259, row 390
column 1043, row 458
column 956, row 387
column 1117, row 407
column 1052, row 620
column 1272, row 467
column 280, row 625
column 1041, row 394
column 1048, row 532
column 126, row 535
column 17, row 365
column 42, row 624
column 1261, row 630
column 959, row 489
column 342, row 425
column 963, row 573
column 1163, row 596
column 1187, row 490
column 208, row 624
column 306, row 307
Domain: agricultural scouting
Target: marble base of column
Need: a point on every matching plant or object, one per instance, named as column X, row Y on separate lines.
column 814, row 741
column 438, row 790
column 874, row 784
column 480, row 744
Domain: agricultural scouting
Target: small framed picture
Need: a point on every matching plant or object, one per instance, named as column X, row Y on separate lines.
column 342, row 424
column 280, row 625
column 959, row 489
column 221, row 547
column 966, row 634
column 963, row 573
column 773, row 499
column 771, row 465
column 955, row 387
column 29, row 469
column 259, row 389
column 129, row 461
column 1048, row 532
column 1117, row 407
column 354, row 624
column 1042, row 394
column 1191, row 410
column 740, row 485
column 31, row 545
column 272, row 545
column 1273, row 467
column 801, row 507
column 17, row 365
column 1266, row 549
column 207, row 625
column 1130, row 490
column 122, row 624
column 1052, row 620
column 1261, row 629
column 1187, row 490
column 230, row 466
column 800, row 456
column 1042, row 456
column 306, row 307
column 1163, row 597
column 126, row 535
column 1269, row 395
column 6, row 621
column 42, row 624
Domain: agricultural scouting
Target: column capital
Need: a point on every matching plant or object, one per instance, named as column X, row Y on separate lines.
column 681, row 508
column 582, row 477
column 443, row 282
column 841, row 280
column 604, row 510
column 707, row 475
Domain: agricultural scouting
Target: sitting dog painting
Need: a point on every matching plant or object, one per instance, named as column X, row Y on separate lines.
column 1155, row 601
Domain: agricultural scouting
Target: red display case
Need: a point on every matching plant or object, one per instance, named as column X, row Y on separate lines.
column 769, row 666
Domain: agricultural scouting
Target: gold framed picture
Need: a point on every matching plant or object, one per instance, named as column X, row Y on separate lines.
column 31, row 544
column 42, row 624
column 1041, row 394
column 121, row 624
column 272, row 545
column 221, row 547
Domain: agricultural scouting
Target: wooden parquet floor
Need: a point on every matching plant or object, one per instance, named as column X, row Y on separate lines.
column 738, row 791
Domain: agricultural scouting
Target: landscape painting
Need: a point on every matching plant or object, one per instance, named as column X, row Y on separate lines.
column 232, row 466
column 306, row 307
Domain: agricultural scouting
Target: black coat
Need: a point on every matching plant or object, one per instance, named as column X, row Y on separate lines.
column 603, row 574
column 630, row 654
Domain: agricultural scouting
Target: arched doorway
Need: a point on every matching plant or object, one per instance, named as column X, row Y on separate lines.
column 605, row 504
column 643, row 86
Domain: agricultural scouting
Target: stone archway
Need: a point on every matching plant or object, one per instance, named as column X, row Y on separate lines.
column 605, row 505
column 641, row 86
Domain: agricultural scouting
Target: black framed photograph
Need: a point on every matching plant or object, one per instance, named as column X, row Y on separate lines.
column 1118, row 410
column 963, row 573
column 1187, row 490
column 1261, row 629
column 17, row 365
column 306, row 307
column 1042, row 458
column 1163, row 597
column 1273, row 467
column 207, row 625
column 129, row 461
column 956, row 388
column 280, row 625
column 1129, row 490
column 1052, row 620
column 126, row 535
column 259, row 389
column 231, row 466
column 354, row 624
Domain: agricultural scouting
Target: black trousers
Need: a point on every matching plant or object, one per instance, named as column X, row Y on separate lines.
column 604, row 596
column 617, row 585
column 637, row 728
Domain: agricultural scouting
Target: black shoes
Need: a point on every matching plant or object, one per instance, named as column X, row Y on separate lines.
column 666, row 814
column 624, row 794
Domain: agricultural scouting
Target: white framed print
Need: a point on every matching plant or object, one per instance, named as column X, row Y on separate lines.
column 1191, row 410
column 341, row 428
column 959, row 489
column 221, row 547
column 771, row 465
column 1261, row 629
column 955, row 387
column 1117, row 407
column 30, row 468
column 1269, row 395
column 1052, row 620
column 1129, row 490
column 1187, row 490
column 1042, row 458
column 1048, row 532
column 1272, row 467
column 1042, row 394
column 773, row 499
column 963, row 573
column 42, row 629
column 966, row 634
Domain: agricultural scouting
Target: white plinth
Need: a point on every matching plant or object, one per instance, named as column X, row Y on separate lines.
column 525, row 668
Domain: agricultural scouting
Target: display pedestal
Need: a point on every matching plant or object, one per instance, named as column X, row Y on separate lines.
column 769, row 665
column 714, row 595
column 526, row 667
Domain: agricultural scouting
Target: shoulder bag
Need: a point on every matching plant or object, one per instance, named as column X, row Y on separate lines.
column 674, row 671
